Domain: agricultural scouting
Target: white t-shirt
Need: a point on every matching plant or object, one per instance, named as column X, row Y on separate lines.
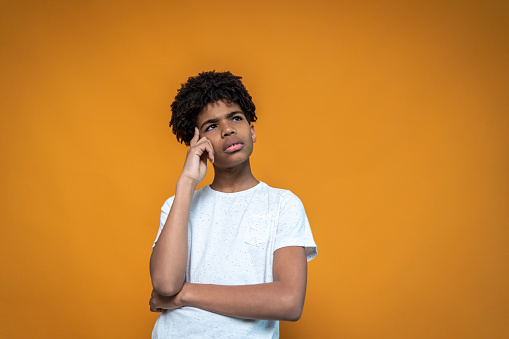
column 232, row 239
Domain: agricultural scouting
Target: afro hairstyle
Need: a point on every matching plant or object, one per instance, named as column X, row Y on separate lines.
column 201, row 90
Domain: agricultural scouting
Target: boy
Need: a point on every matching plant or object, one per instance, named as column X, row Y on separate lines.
column 230, row 259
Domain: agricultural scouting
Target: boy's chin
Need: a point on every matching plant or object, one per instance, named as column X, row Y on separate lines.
column 230, row 163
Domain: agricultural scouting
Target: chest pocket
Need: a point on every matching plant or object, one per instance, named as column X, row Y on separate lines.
column 257, row 229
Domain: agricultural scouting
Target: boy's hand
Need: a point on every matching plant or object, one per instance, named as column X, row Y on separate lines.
column 160, row 303
column 195, row 165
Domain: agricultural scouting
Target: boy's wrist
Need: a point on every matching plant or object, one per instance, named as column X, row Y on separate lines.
column 183, row 294
column 186, row 184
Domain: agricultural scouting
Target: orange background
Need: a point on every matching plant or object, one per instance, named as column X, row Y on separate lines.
column 389, row 120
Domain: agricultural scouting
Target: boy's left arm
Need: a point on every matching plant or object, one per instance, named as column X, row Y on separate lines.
column 282, row 299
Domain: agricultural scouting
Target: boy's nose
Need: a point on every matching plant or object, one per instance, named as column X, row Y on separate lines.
column 228, row 131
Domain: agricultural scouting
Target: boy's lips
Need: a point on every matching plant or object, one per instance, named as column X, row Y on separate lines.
column 233, row 146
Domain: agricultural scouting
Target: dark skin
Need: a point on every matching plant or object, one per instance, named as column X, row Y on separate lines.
column 225, row 138
column 223, row 123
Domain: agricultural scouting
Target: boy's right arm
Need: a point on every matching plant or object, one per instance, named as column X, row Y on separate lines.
column 168, row 261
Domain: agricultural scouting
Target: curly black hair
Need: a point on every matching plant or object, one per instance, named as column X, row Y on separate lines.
column 201, row 90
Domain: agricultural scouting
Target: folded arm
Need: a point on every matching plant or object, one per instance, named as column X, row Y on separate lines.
column 282, row 299
column 168, row 261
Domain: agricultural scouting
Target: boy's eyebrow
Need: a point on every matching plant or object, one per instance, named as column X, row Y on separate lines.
column 214, row 120
column 231, row 114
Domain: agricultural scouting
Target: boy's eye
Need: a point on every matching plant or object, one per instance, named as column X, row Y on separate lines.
column 209, row 127
column 237, row 118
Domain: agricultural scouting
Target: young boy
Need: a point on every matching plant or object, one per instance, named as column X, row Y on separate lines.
column 230, row 259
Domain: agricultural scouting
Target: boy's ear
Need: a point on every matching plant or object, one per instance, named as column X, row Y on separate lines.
column 253, row 133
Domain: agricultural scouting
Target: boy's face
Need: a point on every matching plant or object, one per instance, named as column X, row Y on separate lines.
column 231, row 135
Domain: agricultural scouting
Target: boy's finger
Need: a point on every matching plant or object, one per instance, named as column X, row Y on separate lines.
column 196, row 136
column 209, row 149
column 211, row 152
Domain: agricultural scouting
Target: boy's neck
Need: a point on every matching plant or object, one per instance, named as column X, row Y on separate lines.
column 231, row 180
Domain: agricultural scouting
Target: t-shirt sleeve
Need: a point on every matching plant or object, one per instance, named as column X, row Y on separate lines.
column 164, row 215
column 293, row 226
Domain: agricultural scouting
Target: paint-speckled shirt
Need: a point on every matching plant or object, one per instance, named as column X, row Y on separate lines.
column 232, row 239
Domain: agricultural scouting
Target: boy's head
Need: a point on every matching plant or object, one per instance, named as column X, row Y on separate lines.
column 198, row 92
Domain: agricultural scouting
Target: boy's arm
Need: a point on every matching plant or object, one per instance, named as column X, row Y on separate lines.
column 168, row 261
column 282, row 299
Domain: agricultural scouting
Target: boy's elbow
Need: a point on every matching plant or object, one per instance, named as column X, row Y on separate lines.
column 165, row 284
column 166, row 289
column 165, row 292
column 294, row 314
column 293, row 308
